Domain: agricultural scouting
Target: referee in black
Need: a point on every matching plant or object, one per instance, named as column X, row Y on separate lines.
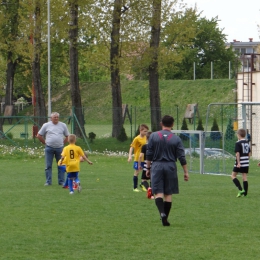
column 163, row 149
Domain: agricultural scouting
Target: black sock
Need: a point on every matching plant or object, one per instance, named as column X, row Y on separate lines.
column 135, row 180
column 146, row 185
column 167, row 208
column 160, row 205
column 245, row 185
column 237, row 183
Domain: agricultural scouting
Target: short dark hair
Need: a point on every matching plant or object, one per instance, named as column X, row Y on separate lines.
column 241, row 132
column 167, row 121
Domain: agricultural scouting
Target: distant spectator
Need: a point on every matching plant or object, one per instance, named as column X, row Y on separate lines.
column 52, row 136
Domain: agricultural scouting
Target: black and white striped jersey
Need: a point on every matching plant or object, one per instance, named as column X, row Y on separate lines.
column 243, row 148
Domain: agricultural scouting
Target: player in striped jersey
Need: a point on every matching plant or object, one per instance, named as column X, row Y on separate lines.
column 242, row 150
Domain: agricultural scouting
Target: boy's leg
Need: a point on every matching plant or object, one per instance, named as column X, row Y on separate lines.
column 77, row 178
column 135, row 180
column 238, row 185
column 71, row 184
column 245, row 183
column 144, row 184
column 135, row 177
column 66, row 184
column 235, row 180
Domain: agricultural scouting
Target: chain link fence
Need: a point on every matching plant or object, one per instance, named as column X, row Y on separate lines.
column 222, row 118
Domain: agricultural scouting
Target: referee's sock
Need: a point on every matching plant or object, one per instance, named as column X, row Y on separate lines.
column 167, row 208
column 160, row 205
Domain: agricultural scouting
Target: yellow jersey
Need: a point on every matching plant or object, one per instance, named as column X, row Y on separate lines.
column 72, row 155
column 137, row 144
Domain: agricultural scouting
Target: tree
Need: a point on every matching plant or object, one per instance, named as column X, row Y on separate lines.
column 230, row 133
column 184, row 126
column 115, row 70
column 206, row 44
column 9, row 32
column 74, row 76
column 215, row 135
column 155, row 105
column 37, row 92
column 200, row 125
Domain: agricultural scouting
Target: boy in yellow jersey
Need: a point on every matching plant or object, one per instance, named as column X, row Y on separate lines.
column 136, row 146
column 76, row 182
column 72, row 155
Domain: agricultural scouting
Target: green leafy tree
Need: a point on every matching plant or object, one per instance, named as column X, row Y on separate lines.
column 206, row 46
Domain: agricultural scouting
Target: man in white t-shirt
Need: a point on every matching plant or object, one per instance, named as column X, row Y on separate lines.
column 53, row 134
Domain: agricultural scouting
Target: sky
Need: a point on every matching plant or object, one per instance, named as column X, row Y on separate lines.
column 239, row 19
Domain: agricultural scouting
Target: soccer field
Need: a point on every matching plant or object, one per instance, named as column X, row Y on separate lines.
column 107, row 220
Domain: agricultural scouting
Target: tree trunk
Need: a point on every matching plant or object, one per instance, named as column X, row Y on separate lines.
column 155, row 105
column 10, row 72
column 12, row 11
column 74, row 76
column 37, row 97
column 114, row 70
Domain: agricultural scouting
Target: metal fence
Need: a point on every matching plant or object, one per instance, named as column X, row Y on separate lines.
column 228, row 116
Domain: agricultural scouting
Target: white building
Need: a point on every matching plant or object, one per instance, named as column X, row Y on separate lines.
column 248, row 90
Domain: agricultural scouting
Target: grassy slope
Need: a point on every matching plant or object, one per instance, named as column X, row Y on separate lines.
column 136, row 93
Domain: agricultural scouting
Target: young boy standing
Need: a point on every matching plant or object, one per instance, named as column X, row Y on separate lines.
column 242, row 150
column 142, row 157
column 72, row 155
column 136, row 146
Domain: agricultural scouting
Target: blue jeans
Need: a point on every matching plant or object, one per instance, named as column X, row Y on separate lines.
column 49, row 155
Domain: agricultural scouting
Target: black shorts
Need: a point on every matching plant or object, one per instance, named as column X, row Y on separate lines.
column 164, row 178
column 241, row 169
column 144, row 177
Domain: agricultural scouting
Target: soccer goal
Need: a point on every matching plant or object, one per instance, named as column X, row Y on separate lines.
column 205, row 152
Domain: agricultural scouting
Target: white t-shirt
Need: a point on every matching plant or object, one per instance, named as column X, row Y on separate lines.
column 54, row 134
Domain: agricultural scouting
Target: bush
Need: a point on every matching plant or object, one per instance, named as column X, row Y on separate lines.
column 200, row 125
column 184, row 126
column 10, row 135
column 122, row 135
column 91, row 136
column 216, row 135
column 230, row 133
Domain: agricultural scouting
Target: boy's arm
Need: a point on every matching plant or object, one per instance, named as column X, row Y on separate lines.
column 140, row 159
column 238, row 159
column 130, row 154
column 86, row 159
column 61, row 160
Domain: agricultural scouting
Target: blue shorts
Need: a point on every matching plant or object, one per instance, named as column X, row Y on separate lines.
column 72, row 175
column 135, row 166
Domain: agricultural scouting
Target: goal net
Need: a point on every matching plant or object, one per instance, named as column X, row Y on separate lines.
column 205, row 152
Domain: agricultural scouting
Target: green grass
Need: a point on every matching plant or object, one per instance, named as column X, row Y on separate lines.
column 108, row 221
